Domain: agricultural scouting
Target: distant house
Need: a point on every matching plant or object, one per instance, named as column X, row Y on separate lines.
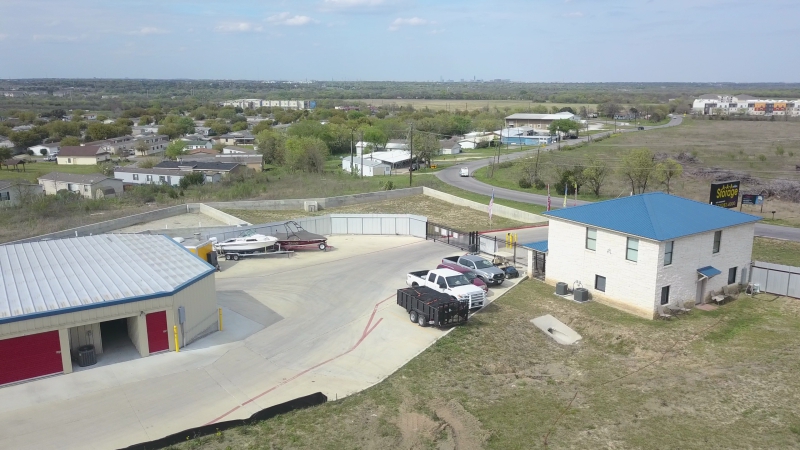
column 50, row 149
column 450, row 147
column 22, row 128
column 12, row 193
column 252, row 161
column 122, row 145
column 5, row 142
column 84, row 155
column 94, row 185
column 237, row 138
column 202, row 152
column 144, row 129
column 156, row 144
column 367, row 167
column 136, row 175
column 524, row 136
column 193, row 145
column 476, row 139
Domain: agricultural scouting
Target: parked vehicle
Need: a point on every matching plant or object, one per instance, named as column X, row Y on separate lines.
column 294, row 235
column 483, row 268
column 426, row 307
column 464, row 172
column 640, row 128
column 471, row 276
column 449, row 282
column 248, row 242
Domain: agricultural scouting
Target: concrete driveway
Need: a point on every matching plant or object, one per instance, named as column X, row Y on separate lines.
column 320, row 321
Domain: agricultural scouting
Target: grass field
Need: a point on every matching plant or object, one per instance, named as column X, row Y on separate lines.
column 776, row 251
column 722, row 379
column 443, row 213
column 758, row 153
column 39, row 168
column 470, row 105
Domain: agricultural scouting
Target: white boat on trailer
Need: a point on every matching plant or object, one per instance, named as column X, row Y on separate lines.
column 249, row 244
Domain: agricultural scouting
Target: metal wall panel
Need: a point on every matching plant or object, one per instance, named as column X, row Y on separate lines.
column 389, row 224
column 354, row 225
column 794, row 286
column 418, row 228
column 759, row 276
column 371, row 225
column 777, row 282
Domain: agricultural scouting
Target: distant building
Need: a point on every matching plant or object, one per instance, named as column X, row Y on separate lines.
column 450, row 147
column 537, row 121
column 136, row 175
column 12, row 193
column 94, row 185
column 253, row 103
column 192, row 145
column 84, row 155
column 366, row 167
column 712, row 104
column 156, row 144
column 236, row 138
column 524, row 136
column 51, row 149
column 207, row 167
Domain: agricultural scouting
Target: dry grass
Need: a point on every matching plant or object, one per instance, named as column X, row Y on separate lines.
column 722, row 379
column 735, row 146
column 435, row 210
column 776, row 251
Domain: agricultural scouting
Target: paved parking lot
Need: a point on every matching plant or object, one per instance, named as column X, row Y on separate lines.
column 319, row 321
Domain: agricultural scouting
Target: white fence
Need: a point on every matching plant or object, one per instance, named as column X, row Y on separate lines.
column 374, row 224
column 776, row 278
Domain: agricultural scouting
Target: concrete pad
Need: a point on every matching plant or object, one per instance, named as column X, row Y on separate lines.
column 320, row 321
column 554, row 328
column 188, row 220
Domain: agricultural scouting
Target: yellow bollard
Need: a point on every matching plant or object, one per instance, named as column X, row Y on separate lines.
column 175, row 331
column 220, row 319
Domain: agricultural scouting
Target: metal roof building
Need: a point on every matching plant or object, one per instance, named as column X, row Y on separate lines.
column 655, row 215
column 650, row 253
column 60, row 296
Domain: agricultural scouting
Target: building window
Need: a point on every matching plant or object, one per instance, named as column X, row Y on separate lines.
column 732, row 275
column 591, row 238
column 149, row 178
column 717, row 241
column 632, row 252
column 136, row 176
column 600, row 283
column 665, row 295
column 69, row 160
column 162, row 179
column 668, row 252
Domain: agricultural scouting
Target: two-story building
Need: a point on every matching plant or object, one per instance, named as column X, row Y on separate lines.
column 83, row 155
column 640, row 252
column 95, row 185
column 150, row 144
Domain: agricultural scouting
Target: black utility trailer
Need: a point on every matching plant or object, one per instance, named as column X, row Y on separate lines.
column 428, row 307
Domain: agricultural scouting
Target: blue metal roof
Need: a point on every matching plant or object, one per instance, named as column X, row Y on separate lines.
column 708, row 271
column 539, row 246
column 656, row 215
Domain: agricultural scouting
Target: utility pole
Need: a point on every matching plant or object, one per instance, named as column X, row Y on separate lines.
column 411, row 155
column 351, row 153
column 363, row 147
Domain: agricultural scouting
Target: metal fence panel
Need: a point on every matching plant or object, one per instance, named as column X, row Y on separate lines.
column 354, row 225
column 389, row 224
column 371, row 225
column 794, row 286
column 759, row 276
column 777, row 282
column 417, row 227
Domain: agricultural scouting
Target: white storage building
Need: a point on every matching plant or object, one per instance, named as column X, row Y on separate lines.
column 112, row 291
column 643, row 252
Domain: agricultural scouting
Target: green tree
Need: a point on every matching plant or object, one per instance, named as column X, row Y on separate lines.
column 306, row 154
column 595, row 174
column 272, row 146
column 97, row 131
column 43, row 151
column 70, row 141
column 194, row 178
column 261, row 126
column 375, row 137
column 145, row 120
column 239, row 126
column 5, row 153
column 638, row 168
column 426, row 146
column 175, row 149
column 667, row 170
column 25, row 139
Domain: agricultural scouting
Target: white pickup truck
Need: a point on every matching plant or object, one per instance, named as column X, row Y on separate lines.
column 449, row 282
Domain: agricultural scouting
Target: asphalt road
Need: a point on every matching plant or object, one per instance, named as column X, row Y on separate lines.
column 451, row 176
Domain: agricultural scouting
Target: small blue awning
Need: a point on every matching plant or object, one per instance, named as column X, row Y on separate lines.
column 539, row 246
column 708, row 271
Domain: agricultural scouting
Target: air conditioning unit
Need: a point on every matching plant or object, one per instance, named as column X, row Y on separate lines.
column 581, row 295
column 561, row 288
column 310, row 206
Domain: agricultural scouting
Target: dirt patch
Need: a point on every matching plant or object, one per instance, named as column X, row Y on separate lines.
column 464, row 430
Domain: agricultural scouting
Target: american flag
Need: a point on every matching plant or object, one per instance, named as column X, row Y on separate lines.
column 491, row 203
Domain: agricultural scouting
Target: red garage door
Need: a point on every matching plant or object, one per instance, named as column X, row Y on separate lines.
column 157, row 336
column 31, row 356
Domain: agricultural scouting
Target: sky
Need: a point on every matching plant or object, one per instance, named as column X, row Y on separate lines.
column 404, row 40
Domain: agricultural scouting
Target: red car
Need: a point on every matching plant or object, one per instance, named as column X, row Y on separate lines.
column 469, row 274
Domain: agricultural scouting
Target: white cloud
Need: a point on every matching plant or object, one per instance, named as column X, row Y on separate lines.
column 149, row 30
column 285, row 18
column 56, row 37
column 575, row 14
column 237, row 27
column 412, row 22
column 347, row 4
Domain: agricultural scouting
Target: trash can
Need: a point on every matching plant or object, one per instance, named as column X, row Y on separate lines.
column 86, row 355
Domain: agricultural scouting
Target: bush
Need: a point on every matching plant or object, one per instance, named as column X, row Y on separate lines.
column 387, row 185
column 524, row 184
column 779, row 151
column 762, row 158
column 506, row 165
column 539, row 183
column 192, row 179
